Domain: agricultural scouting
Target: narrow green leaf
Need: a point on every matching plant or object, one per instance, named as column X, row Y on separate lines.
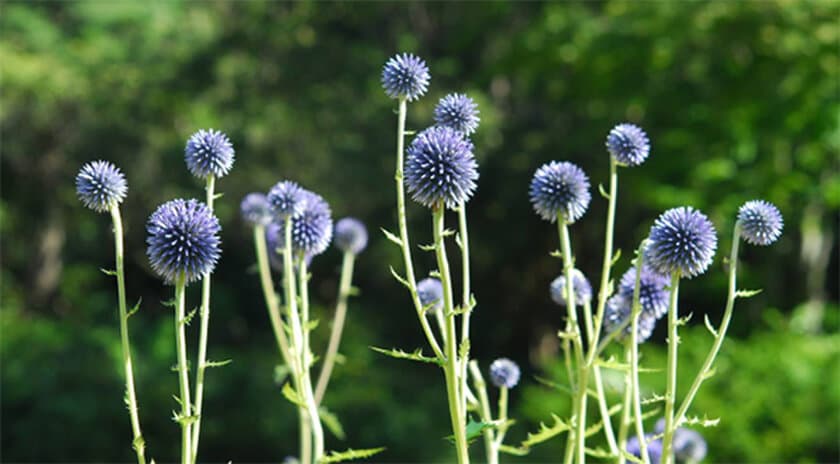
column 513, row 450
column 391, row 237
column 134, row 308
column 546, row 432
column 188, row 318
column 399, row 278
column 218, row 195
column 350, row 454
column 651, row 413
column 653, row 399
column 747, row 293
column 169, row 303
column 631, row 458
column 458, row 241
column 431, row 247
column 556, row 254
column 704, row 422
column 709, row 326
column 416, row 355
column 108, row 272
column 310, row 326
column 599, row 453
column 218, row 363
column 603, row 192
column 448, row 233
column 616, row 257
column 332, row 423
column 292, row 395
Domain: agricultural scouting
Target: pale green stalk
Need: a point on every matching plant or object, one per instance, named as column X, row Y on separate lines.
column 490, row 447
column 270, row 295
column 138, row 443
column 635, row 312
column 344, row 288
column 671, row 386
column 603, row 290
column 308, row 395
column 626, row 405
column 603, row 407
column 183, row 375
column 503, row 417
column 465, row 299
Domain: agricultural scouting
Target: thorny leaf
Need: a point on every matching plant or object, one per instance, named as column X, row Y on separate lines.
column 350, row 454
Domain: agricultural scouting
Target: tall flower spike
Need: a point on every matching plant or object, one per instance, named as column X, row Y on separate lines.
column 628, row 144
column 405, row 76
column 183, row 237
column 209, row 152
column 560, row 188
column 430, row 292
column 504, row 373
column 761, row 222
column 100, row 186
column 286, row 199
column 312, row 229
column 255, row 209
column 459, row 112
column 440, row 167
column 653, row 294
column 682, row 240
column 351, row 235
column 580, row 284
column 618, row 310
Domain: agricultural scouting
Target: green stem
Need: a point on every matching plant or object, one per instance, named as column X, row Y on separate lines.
column 490, row 447
column 465, row 299
column 503, row 416
column 270, row 294
column 603, row 407
column 624, row 426
column 338, row 325
column 131, row 397
column 603, row 290
column 635, row 312
column 183, row 375
column 671, row 387
column 202, row 342
column 308, row 395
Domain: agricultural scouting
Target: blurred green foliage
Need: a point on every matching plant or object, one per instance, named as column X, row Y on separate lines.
column 740, row 100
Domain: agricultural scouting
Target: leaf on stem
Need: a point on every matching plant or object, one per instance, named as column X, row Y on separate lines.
column 217, row 363
column 747, row 293
column 464, row 349
column 431, row 247
column 218, row 195
column 651, row 413
column 281, row 371
column 332, row 423
column 616, row 257
column 704, row 422
column 556, row 254
column 653, row 399
column 546, row 432
column 598, row 453
column 447, row 233
column 350, row 454
column 602, row 191
column 134, row 308
column 292, row 395
column 458, row 241
column 685, row 319
column 169, row 303
column 507, row 449
column 108, row 272
column 709, row 326
column 416, row 355
column 310, row 326
column 399, row 278
column 391, row 237
column 631, row 458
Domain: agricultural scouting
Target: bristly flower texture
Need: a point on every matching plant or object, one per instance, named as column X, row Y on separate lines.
column 682, row 240
column 653, row 294
column 312, row 229
column 580, row 284
column 351, row 235
column 560, row 188
column 440, row 167
column 255, row 209
column 286, row 199
column 405, row 76
column 183, row 237
column 100, row 186
column 209, row 152
column 628, row 144
column 504, row 373
column 618, row 310
column 430, row 291
column 761, row 222
column 459, row 112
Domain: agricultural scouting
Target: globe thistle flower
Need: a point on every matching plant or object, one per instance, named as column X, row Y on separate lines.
column 689, row 445
column 286, row 199
column 405, row 76
column 255, row 209
column 682, row 240
column 504, row 373
column 653, row 294
column 560, row 188
column 183, row 238
column 440, row 167
column 312, row 229
column 275, row 242
column 580, row 285
column 617, row 312
column 459, row 112
column 628, row 144
column 351, row 235
column 100, row 186
column 654, row 448
column 761, row 222
column 209, row 153
column 430, row 291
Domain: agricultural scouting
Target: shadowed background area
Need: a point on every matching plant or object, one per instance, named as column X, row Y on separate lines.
column 740, row 100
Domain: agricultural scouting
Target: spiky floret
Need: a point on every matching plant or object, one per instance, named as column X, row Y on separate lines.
column 653, row 294
column 560, row 188
column 209, row 152
column 504, row 373
column 100, row 186
column 430, row 291
column 440, row 167
column 580, row 284
column 761, row 222
column 405, row 76
column 286, row 199
column 312, row 229
column 618, row 310
column 183, row 237
column 351, row 235
column 255, row 209
column 459, row 112
column 682, row 240
column 628, row 144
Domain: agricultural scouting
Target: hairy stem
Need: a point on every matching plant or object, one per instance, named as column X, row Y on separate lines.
column 338, row 325
column 671, row 387
column 183, row 375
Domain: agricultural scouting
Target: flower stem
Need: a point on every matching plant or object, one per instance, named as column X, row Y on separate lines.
column 338, row 325
column 671, row 387
column 308, row 395
column 603, row 407
column 464, row 237
column 603, row 290
column 490, row 447
column 202, row 342
column 183, row 375
column 270, row 295
column 131, row 397
column 624, row 426
column 635, row 312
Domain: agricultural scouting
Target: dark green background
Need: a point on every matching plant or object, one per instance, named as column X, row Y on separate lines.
column 740, row 100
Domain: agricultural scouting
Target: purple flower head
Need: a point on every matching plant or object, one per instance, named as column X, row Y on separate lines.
column 761, row 222
column 688, row 444
column 430, row 291
column 405, row 76
column 560, row 188
column 183, row 238
column 286, row 199
column 654, row 447
column 209, row 153
column 275, row 242
column 504, row 373
column 440, row 167
column 255, row 209
column 351, row 235
column 617, row 312
column 682, row 240
column 628, row 144
column 100, row 186
column 653, row 296
column 581, row 286
column 459, row 112
column 312, row 229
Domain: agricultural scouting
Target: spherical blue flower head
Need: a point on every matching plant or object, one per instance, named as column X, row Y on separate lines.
column 560, row 188
column 654, row 448
column 761, row 222
column 459, row 112
column 286, row 199
column 351, row 235
column 580, row 285
column 209, row 152
column 312, row 229
column 504, row 373
column 618, row 310
column 689, row 445
column 628, row 144
column 183, row 238
column 275, row 242
column 430, row 291
column 255, row 209
column 440, row 166
column 405, row 76
column 100, row 186
column 682, row 240
column 653, row 294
